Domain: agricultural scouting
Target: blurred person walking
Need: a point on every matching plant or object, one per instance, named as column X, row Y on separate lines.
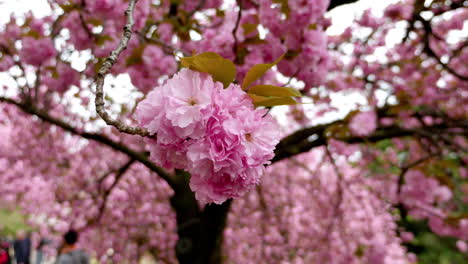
column 69, row 253
column 22, row 248
column 40, row 250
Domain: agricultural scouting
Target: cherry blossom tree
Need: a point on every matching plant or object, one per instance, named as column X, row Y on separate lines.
column 226, row 145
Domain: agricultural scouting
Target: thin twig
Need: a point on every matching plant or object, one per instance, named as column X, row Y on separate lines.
column 106, row 68
column 429, row 51
column 337, row 211
column 199, row 6
column 85, row 26
column 234, row 31
column 118, row 175
column 167, row 48
column 37, row 83
column 404, row 169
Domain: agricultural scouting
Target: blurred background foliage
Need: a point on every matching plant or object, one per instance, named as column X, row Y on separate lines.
column 11, row 221
column 431, row 248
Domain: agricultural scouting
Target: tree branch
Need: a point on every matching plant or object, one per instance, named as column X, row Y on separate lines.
column 199, row 6
column 305, row 139
column 105, row 69
column 234, row 31
column 429, row 51
column 133, row 154
column 118, row 175
column 336, row 3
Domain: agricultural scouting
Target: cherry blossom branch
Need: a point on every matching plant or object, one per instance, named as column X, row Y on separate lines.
column 337, row 211
column 118, row 175
column 429, row 51
column 305, row 139
column 106, row 68
column 199, row 6
column 234, row 31
column 133, row 154
column 168, row 49
column 404, row 169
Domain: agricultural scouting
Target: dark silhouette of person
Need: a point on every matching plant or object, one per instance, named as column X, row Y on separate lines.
column 4, row 252
column 70, row 254
column 5, row 245
column 22, row 247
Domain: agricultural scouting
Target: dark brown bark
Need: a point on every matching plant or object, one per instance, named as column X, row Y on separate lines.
column 200, row 231
column 335, row 3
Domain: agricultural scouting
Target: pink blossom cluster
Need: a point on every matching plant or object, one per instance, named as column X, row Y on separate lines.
column 363, row 123
column 427, row 199
column 37, row 51
column 300, row 29
column 62, row 78
column 399, row 11
column 80, row 38
column 154, row 65
column 211, row 132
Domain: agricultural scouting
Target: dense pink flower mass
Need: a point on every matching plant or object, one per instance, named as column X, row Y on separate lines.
column 37, row 51
column 375, row 171
column 63, row 77
column 224, row 139
column 363, row 123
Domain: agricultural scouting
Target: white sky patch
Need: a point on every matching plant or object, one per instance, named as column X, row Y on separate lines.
column 40, row 8
column 343, row 16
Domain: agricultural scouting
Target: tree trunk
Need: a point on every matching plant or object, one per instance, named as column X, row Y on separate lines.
column 200, row 231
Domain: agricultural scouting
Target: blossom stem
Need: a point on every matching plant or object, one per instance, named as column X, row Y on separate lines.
column 106, row 68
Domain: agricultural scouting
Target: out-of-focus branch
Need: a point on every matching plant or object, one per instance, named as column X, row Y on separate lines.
column 131, row 153
column 118, row 175
column 234, row 31
column 337, row 211
column 199, row 6
column 409, row 166
column 336, row 3
column 106, row 68
column 168, row 49
column 305, row 139
column 429, row 51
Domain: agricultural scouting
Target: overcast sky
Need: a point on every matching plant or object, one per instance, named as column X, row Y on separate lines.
column 342, row 16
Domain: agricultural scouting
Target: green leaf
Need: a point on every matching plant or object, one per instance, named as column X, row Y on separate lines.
column 271, row 90
column 136, row 56
column 221, row 69
column 258, row 71
column 101, row 39
column 271, row 101
column 249, row 28
column 384, row 144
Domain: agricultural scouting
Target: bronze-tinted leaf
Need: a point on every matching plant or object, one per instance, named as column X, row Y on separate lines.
column 272, row 90
column 221, row 69
column 258, row 71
